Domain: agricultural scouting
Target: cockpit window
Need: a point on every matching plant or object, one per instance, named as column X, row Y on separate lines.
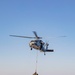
column 33, row 41
column 36, row 40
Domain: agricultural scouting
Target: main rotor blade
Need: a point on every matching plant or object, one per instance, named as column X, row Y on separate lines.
column 63, row 36
column 22, row 36
column 35, row 33
column 57, row 37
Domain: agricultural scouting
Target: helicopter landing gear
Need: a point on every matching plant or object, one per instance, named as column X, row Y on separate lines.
column 44, row 53
column 31, row 48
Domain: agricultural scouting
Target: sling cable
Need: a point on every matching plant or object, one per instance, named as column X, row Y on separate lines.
column 36, row 63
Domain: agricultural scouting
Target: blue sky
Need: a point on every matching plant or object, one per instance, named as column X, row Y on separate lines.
column 49, row 18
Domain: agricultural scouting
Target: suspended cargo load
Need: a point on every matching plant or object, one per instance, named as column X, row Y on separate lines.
column 35, row 73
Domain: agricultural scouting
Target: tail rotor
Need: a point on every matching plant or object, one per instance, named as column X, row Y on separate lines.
column 47, row 46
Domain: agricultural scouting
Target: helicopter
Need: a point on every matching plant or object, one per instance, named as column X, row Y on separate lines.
column 37, row 43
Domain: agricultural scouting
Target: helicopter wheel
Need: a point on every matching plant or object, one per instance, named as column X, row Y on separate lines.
column 31, row 48
column 44, row 53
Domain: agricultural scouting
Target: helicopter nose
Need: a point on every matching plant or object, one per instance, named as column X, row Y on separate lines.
column 31, row 43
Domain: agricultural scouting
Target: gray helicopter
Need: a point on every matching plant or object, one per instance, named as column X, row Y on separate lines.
column 37, row 44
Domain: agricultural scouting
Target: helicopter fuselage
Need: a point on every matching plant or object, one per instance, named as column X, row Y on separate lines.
column 37, row 44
